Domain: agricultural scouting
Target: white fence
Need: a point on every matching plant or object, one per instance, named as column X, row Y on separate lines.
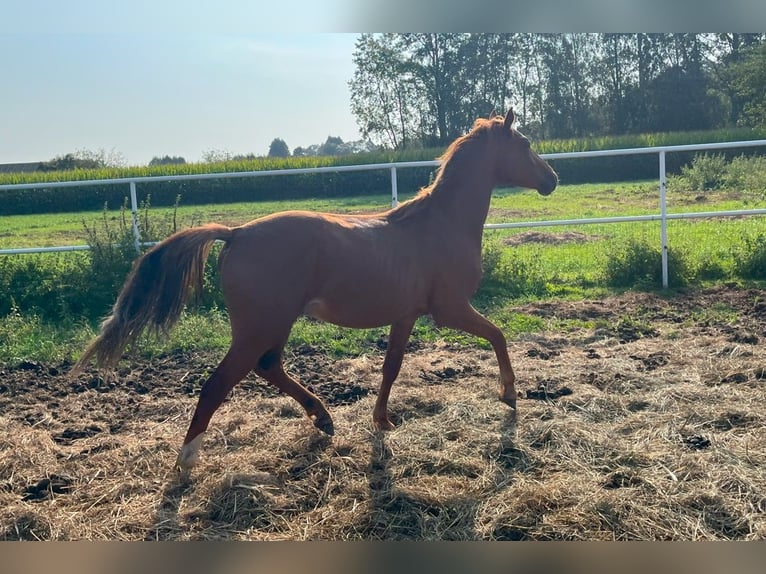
column 663, row 216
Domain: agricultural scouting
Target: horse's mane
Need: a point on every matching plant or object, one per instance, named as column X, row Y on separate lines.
column 450, row 163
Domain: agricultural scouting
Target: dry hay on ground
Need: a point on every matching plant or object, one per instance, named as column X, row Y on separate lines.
column 649, row 424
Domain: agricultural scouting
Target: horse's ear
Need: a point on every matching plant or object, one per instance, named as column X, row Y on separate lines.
column 493, row 114
column 509, row 119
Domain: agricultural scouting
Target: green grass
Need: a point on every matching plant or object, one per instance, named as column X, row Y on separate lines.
column 55, row 229
column 27, row 337
column 569, row 201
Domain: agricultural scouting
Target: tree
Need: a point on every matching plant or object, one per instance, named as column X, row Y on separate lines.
column 614, row 80
column 331, row 146
column 442, row 82
column 647, row 51
column 679, row 98
column 67, row 162
column 749, row 82
column 84, row 159
column 727, row 53
column 426, row 89
column 481, row 77
column 525, row 81
column 101, row 157
column 167, row 160
column 382, row 91
column 278, row 148
column 216, row 155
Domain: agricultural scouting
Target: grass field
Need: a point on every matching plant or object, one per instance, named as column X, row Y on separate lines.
column 568, row 202
column 48, row 230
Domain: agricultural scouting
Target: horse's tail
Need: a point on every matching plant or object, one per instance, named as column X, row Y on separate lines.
column 155, row 292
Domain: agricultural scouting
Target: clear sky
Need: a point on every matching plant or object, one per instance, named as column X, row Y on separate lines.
column 152, row 94
column 149, row 78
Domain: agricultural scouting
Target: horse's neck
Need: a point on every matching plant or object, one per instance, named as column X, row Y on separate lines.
column 464, row 196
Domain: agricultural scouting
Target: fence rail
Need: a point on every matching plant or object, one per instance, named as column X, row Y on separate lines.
column 663, row 216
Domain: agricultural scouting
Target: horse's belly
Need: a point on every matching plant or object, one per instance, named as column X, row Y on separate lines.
column 357, row 312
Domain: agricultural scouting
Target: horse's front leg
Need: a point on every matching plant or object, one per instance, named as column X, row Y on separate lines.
column 468, row 319
column 397, row 342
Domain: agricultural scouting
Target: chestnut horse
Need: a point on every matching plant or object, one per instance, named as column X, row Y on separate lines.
column 361, row 271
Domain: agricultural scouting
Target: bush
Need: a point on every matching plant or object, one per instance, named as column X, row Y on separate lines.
column 57, row 285
column 52, row 285
column 639, row 264
column 509, row 273
column 750, row 258
column 747, row 174
column 714, row 171
column 707, row 171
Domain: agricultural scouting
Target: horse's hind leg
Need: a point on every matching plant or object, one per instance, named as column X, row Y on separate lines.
column 232, row 369
column 270, row 368
column 397, row 342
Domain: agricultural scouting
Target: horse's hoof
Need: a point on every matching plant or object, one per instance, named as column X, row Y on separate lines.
column 325, row 425
column 189, row 455
column 184, row 464
column 510, row 401
column 384, row 425
column 183, row 474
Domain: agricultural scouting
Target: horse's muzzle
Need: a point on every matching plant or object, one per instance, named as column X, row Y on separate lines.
column 548, row 186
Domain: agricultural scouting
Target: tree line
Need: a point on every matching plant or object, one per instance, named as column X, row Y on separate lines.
column 89, row 159
column 425, row 89
column 332, row 146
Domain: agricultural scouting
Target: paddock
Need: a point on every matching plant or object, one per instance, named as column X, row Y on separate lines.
column 643, row 420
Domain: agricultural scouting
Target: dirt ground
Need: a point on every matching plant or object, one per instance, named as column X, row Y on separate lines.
column 648, row 425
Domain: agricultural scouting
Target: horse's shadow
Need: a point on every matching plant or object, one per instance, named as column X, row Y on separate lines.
column 400, row 514
column 379, row 479
column 235, row 497
column 166, row 521
column 509, row 456
column 396, row 512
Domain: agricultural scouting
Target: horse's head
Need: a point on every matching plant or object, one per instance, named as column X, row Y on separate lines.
column 514, row 161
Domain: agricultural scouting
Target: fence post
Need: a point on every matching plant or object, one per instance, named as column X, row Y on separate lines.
column 394, row 192
column 134, row 214
column 663, row 220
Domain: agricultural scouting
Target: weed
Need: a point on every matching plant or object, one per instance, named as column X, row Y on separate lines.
column 636, row 263
column 745, row 174
column 24, row 337
column 750, row 257
column 707, row 171
column 509, row 273
column 748, row 175
column 112, row 251
column 49, row 284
